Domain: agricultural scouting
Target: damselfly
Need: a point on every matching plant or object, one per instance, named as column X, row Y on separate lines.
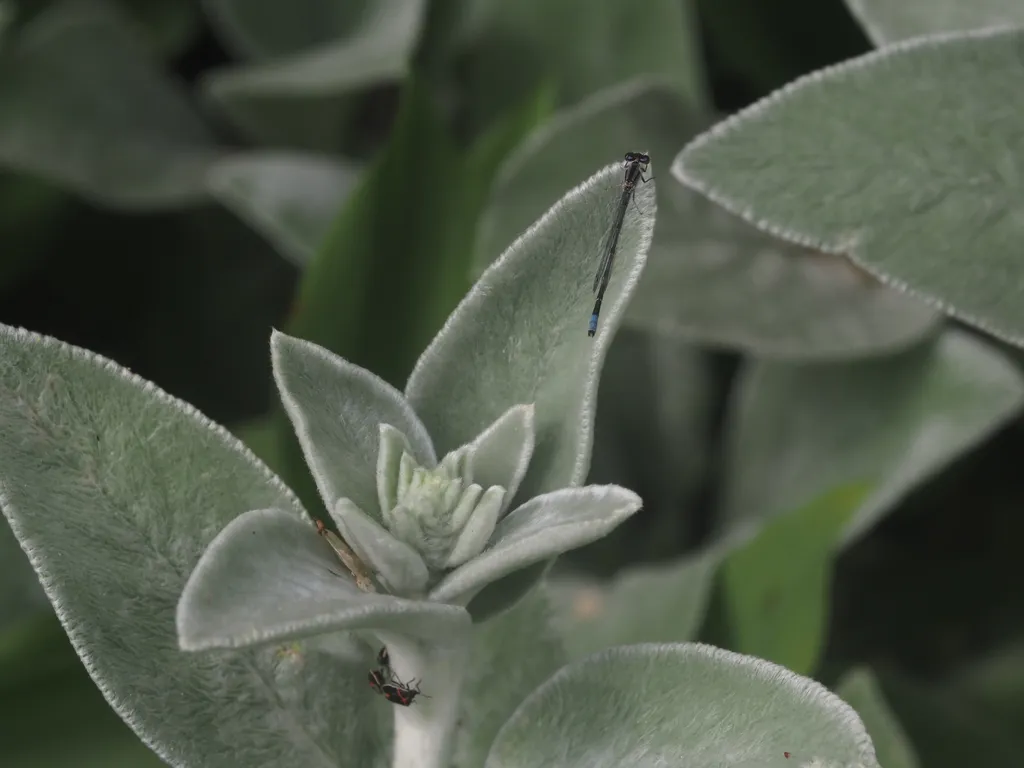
column 635, row 165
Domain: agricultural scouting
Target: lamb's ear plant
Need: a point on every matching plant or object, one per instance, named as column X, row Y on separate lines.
column 220, row 623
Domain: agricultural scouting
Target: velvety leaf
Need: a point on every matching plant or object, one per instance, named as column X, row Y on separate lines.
column 860, row 689
column 868, row 159
column 289, row 198
column 399, row 564
column 886, row 22
column 680, row 704
column 501, row 453
column 337, row 409
column 115, row 489
column 542, row 528
column 86, row 107
column 776, row 587
column 797, row 431
column 520, row 336
column 268, row 577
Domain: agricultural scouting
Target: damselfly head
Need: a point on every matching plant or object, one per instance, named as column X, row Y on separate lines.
column 638, row 158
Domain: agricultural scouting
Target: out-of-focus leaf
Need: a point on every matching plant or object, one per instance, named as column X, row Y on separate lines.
column 886, row 21
column 63, row 720
column 21, row 597
column 289, row 198
column 512, row 47
column 86, row 107
column 170, row 24
column 776, row 586
column 273, row 99
column 868, row 159
column 648, row 603
column 799, row 430
column 946, row 731
column 262, row 30
column 860, row 690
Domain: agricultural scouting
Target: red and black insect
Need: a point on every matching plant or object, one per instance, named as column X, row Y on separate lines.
column 401, row 693
column 378, row 679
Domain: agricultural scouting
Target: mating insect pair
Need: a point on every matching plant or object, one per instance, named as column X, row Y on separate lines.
column 384, row 682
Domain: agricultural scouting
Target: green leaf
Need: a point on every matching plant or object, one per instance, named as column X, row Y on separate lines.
column 115, row 489
column 270, row 99
column 21, row 597
column 519, row 336
column 776, row 587
column 886, row 22
column 798, row 431
column 62, row 721
column 853, row 160
column 642, row 604
column 336, row 409
column 711, row 277
column 860, row 689
column 288, row 197
column 948, row 731
column 542, row 528
column 268, row 577
column 680, row 704
column 267, row 30
column 510, row 656
column 376, row 292
column 86, row 108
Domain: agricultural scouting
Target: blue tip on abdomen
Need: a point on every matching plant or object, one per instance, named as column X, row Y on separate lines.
column 593, row 325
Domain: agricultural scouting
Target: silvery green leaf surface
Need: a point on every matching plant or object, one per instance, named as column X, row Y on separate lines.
column 510, row 655
column 395, row 561
column 868, row 159
column 796, row 431
column 336, row 409
column 861, row 690
column 114, row 489
column 642, row 604
column 87, row 108
column 268, row 577
column 680, row 704
column 542, row 528
column 886, row 22
column 520, row 335
column 288, row 197
column 501, row 453
column 776, row 586
column 711, row 277
column 270, row 98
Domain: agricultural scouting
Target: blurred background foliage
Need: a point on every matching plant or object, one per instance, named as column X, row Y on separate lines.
column 829, row 468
